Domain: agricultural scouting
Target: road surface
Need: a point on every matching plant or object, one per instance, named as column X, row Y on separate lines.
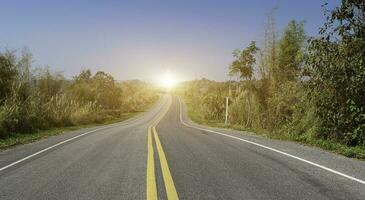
column 163, row 155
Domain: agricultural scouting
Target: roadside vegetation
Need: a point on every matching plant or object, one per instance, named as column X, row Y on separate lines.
column 35, row 102
column 291, row 86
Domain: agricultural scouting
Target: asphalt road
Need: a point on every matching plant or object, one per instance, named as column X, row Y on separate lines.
column 163, row 155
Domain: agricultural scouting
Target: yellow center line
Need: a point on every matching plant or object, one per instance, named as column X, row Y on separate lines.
column 151, row 179
column 151, row 175
column 169, row 182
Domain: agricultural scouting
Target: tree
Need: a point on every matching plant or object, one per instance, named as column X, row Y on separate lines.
column 243, row 66
column 107, row 93
column 336, row 67
column 284, row 84
column 8, row 74
column 244, row 62
column 270, row 43
column 84, row 76
column 290, row 52
column 268, row 62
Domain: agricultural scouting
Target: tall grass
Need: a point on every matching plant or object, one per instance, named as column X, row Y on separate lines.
column 33, row 99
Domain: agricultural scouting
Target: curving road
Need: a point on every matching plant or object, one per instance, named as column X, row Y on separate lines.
column 161, row 154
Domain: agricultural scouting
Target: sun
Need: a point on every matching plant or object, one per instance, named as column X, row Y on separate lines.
column 167, row 80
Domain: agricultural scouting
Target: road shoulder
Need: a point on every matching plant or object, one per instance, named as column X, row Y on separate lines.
column 349, row 166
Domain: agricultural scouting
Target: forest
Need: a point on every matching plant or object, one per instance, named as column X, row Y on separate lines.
column 34, row 99
column 291, row 86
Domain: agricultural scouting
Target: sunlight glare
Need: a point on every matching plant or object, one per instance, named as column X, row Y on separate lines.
column 168, row 80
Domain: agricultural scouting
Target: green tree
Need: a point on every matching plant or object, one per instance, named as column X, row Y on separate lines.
column 290, row 52
column 336, row 67
column 243, row 66
column 84, row 76
column 106, row 91
column 244, row 62
column 81, row 88
column 49, row 84
column 8, row 75
column 284, row 76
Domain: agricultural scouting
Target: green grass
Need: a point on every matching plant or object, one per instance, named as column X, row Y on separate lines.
column 333, row 146
column 24, row 138
column 352, row 152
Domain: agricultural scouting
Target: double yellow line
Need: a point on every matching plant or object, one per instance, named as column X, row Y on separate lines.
column 151, row 175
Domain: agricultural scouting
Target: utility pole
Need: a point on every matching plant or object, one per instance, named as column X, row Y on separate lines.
column 227, row 100
column 226, row 121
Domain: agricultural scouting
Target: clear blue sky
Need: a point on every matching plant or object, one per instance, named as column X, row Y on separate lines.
column 140, row 39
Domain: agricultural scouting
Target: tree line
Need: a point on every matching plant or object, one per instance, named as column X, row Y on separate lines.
column 33, row 99
column 294, row 85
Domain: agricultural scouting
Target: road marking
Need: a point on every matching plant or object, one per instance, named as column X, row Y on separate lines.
column 169, row 182
column 51, row 147
column 55, row 145
column 151, row 189
column 273, row 149
column 151, row 178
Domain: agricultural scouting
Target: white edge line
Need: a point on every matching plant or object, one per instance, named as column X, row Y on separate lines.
column 272, row 149
column 53, row 146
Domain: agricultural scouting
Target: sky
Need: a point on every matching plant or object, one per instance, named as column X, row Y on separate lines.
column 144, row 39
